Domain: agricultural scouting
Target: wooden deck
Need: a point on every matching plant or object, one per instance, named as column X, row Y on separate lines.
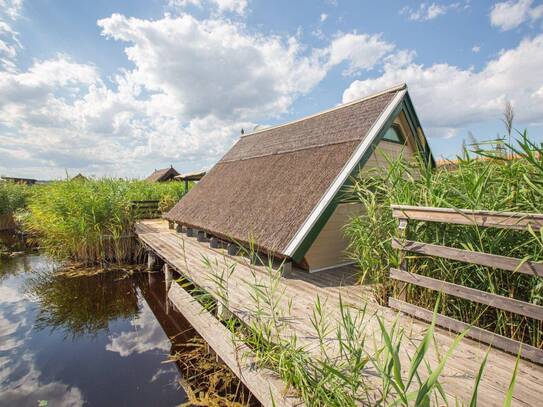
column 302, row 289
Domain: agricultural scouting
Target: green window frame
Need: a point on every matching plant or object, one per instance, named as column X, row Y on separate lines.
column 394, row 135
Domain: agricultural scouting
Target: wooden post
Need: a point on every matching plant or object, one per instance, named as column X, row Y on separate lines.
column 287, row 267
column 171, row 224
column 201, row 236
column 168, row 276
column 151, row 261
column 214, row 243
column 233, row 249
column 402, row 233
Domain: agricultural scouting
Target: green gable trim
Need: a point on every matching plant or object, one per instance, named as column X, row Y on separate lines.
column 331, row 207
column 407, row 107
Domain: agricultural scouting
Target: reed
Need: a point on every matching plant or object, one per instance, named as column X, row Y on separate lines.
column 480, row 180
column 13, row 196
column 352, row 365
column 91, row 221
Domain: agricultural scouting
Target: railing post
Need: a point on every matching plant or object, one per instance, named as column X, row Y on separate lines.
column 402, row 234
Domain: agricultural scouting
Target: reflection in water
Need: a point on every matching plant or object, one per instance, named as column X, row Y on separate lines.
column 82, row 305
column 72, row 341
column 100, row 339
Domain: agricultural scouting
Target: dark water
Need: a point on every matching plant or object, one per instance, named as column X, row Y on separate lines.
column 97, row 340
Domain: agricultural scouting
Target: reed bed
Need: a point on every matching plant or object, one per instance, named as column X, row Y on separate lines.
column 91, row 221
column 13, row 196
column 479, row 180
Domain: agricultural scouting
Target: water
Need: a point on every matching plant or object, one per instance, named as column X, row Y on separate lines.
column 97, row 340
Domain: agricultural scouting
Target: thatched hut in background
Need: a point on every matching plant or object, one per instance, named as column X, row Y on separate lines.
column 163, row 175
column 280, row 188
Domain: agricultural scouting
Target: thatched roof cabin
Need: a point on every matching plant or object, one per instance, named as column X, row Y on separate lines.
column 279, row 188
column 163, row 175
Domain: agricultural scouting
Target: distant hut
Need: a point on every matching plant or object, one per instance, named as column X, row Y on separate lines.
column 190, row 176
column 281, row 188
column 79, row 177
column 163, row 175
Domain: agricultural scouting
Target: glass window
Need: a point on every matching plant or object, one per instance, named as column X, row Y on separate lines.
column 393, row 134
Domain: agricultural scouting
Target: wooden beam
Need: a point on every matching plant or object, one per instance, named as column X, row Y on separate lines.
column 497, row 341
column 505, row 220
column 482, row 297
column 482, row 259
column 263, row 383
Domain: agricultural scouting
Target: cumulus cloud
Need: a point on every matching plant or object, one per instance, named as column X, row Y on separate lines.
column 476, row 49
column 510, row 14
column 192, row 86
column 323, row 17
column 214, row 67
column 60, row 114
column 449, row 98
column 362, row 51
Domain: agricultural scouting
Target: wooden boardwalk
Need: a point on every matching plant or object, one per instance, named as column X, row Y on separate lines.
column 301, row 289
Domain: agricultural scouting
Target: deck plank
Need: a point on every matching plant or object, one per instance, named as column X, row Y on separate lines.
column 302, row 289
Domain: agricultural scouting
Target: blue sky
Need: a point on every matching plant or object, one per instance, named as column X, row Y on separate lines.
column 119, row 88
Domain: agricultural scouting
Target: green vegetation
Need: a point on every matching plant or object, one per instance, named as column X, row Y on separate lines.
column 480, row 180
column 348, row 362
column 91, row 221
column 13, row 197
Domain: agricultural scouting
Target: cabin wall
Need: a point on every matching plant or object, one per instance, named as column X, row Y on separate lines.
column 328, row 249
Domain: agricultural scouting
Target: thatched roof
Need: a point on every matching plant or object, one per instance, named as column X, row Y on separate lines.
column 266, row 188
column 191, row 176
column 164, row 174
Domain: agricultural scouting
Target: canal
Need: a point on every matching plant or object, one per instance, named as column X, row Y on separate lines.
column 86, row 338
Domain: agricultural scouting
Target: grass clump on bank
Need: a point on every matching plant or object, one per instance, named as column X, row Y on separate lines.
column 91, row 221
column 13, row 197
column 479, row 181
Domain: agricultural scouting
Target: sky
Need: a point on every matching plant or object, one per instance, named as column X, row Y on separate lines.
column 115, row 88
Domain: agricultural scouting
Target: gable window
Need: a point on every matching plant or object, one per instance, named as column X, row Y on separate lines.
column 394, row 135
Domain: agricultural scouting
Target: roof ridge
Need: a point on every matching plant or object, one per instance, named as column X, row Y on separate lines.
column 292, row 150
column 395, row 88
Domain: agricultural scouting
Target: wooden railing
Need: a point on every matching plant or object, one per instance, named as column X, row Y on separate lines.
column 146, row 209
column 506, row 220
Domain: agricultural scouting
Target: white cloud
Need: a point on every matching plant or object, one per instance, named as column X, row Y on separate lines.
column 11, row 8
column 362, row 51
column 145, row 336
column 476, row 49
column 323, row 17
column 449, row 98
column 426, row 12
column 9, row 41
column 510, row 14
column 194, row 85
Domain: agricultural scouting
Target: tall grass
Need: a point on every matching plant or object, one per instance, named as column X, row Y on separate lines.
column 347, row 363
column 480, row 181
column 91, row 221
column 13, row 196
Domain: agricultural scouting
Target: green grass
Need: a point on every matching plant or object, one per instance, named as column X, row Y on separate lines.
column 348, row 363
column 91, row 221
column 13, row 197
column 492, row 183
